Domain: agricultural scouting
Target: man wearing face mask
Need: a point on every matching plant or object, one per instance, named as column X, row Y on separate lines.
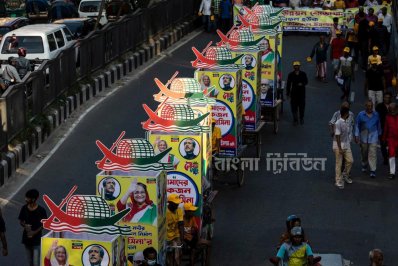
column 150, row 257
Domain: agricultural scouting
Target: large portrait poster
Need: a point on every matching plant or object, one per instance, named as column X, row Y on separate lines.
column 186, row 156
column 228, row 110
column 251, row 75
column 145, row 195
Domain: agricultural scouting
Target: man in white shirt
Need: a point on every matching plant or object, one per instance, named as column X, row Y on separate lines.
column 205, row 11
column 342, row 148
column 387, row 21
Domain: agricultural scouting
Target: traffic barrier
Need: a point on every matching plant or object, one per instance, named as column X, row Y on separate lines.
column 53, row 78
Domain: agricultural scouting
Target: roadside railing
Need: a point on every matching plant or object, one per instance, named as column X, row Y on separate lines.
column 23, row 102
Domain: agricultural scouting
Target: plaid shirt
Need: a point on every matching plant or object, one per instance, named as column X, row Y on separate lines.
column 216, row 7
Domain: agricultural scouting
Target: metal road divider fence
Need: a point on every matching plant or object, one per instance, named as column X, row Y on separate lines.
column 23, row 102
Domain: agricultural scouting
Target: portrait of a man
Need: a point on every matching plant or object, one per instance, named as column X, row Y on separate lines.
column 249, row 62
column 227, row 82
column 108, row 185
column 95, row 255
column 189, row 149
column 267, row 92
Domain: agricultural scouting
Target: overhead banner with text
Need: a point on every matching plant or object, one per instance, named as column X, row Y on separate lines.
column 317, row 20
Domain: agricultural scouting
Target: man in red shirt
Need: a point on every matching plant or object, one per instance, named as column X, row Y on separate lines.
column 336, row 50
column 390, row 135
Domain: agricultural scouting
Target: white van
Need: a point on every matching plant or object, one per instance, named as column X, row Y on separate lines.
column 41, row 41
column 90, row 9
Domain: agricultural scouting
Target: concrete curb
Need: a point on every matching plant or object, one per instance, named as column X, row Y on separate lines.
column 21, row 152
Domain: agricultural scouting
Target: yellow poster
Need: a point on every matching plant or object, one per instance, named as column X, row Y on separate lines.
column 145, row 194
column 314, row 20
column 105, row 251
column 186, row 157
column 228, row 110
column 251, row 77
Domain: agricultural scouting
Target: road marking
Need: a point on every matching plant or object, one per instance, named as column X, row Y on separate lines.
column 100, row 99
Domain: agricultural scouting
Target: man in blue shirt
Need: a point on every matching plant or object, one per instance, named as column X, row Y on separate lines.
column 367, row 133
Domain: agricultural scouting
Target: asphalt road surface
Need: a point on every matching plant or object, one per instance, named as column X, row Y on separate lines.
column 249, row 220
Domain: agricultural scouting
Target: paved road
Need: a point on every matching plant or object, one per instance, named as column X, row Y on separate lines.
column 249, row 219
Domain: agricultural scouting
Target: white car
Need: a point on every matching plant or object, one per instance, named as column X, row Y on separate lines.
column 41, row 41
column 90, row 9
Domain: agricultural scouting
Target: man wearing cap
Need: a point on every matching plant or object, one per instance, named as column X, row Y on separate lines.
column 374, row 83
column 295, row 89
column 215, row 137
column 336, row 50
column 296, row 252
column 346, row 72
column 191, row 229
column 387, row 21
column 374, row 56
column 174, row 227
column 390, row 135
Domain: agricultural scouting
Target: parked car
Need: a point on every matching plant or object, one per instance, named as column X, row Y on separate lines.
column 90, row 9
column 80, row 27
column 42, row 42
column 60, row 9
column 37, row 10
column 9, row 24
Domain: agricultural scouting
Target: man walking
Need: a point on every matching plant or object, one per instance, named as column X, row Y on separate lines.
column 367, row 134
column 374, row 83
column 387, row 21
column 390, row 135
column 320, row 51
column 346, row 72
column 30, row 218
column 205, row 12
column 296, row 82
column 336, row 50
column 342, row 148
column 382, row 110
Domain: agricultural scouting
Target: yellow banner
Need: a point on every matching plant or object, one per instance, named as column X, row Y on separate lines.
column 251, row 77
column 228, row 110
column 317, row 20
column 145, row 195
column 69, row 251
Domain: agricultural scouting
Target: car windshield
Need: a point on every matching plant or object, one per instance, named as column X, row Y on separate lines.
column 32, row 44
column 90, row 6
column 4, row 30
column 74, row 27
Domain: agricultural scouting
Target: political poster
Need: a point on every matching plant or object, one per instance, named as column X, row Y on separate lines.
column 82, row 249
column 228, row 110
column 145, row 194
